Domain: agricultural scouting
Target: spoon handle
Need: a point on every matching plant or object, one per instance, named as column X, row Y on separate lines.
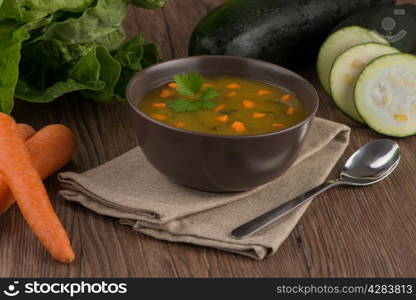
column 271, row 216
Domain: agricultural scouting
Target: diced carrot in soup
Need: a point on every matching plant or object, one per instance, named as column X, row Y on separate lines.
column 263, row 92
column 279, row 125
column 180, row 124
column 248, row 104
column 257, row 115
column 238, row 126
column 290, row 111
column 165, row 93
column 159, row 105
column 286, row 97
column 222, row 118
column 220, row 107
column 159, row 117
column 233, row 86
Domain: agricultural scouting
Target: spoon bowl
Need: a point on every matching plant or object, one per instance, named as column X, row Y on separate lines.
column 371, row 163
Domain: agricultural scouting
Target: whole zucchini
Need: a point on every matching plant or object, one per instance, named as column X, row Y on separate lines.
column 285, row 32
column 397, row 24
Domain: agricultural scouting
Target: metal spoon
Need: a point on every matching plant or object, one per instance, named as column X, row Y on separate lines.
column 370, row 164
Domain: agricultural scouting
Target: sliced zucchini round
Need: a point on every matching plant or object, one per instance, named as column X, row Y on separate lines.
column 345, row 72
column 337, row 43
column 385, row 95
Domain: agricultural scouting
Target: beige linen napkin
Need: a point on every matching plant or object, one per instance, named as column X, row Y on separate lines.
column 130, row 189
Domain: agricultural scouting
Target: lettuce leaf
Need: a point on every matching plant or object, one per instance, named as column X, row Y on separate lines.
column 31, row 10
column 85, row 74
column 98, row 75
column 110, row 70
column 134, row 55
column 11, row 42
column 94, row 23
column 49, row 48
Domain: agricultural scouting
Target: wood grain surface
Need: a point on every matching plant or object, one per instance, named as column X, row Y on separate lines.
column 347, row 232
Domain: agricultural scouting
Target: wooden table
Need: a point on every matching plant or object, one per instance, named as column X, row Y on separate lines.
column 346, row 232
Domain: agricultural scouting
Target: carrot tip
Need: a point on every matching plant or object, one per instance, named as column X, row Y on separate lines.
column 26, row 130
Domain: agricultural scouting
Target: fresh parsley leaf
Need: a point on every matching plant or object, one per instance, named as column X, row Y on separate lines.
column 184, row 105
column 209, row 94
column 207, row 104
column 189, row 84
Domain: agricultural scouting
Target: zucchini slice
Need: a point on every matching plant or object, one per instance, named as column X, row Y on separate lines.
column 345, row 72
column 385, row 95
column 337, row 43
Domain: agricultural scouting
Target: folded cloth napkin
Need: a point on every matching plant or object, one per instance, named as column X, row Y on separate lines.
column 130, row 189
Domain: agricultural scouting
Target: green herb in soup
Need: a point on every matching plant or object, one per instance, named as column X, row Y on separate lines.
column 192, row 85
column 223, row 105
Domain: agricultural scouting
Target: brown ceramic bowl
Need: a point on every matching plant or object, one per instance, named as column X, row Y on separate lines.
column 218, row 163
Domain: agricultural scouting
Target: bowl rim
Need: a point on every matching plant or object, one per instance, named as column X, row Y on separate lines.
column 311, row 113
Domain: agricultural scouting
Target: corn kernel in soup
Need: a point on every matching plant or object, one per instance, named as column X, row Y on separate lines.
column 242, row 107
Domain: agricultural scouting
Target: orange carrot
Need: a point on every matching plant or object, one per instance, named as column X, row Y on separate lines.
column 159, row 105
column 165, row 94
column 232, row 94
column 158, row 117
column 207, row 85
column 279, row 125
column 238, row 126
column 219, row 107
column 263, row 92
column 286, row 97
column 180, row 124
column 172, row 85
column 233, row 86
column 27, row 188
column 26, row 131
column 290, row 111
column 222, row 118
column 257, row 115
column 50, row 148
column 248, row 104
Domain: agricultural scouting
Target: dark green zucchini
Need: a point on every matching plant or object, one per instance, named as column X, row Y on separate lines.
column 285, row 32
column 397, row 24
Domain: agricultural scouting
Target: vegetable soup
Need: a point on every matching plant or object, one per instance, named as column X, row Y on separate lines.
column 223, row 105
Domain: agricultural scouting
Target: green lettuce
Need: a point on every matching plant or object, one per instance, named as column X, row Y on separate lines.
column 11, row 38
column 85, row 74
column 94, row 23
column 49, row 48
column 109, row 75
column 133, row 56
column 30, row 10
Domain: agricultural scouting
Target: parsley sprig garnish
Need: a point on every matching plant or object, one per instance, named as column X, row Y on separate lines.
column 190, row 85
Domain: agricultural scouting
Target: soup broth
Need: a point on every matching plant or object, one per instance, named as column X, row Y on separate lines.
column 242, row 107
